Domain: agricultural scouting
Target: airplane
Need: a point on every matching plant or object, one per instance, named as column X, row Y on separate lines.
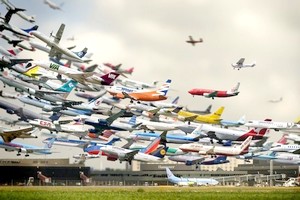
column 16, row 42
column 84, row 78
column 280, row 157
column 277, row 126
column 215, row 93
column 58, row 55
column 25, row 114
column 137, row 84
column 28, row 18
column 144, row 95
column 117, row 69
column 200, row 112
column 229, row 123
column 193, row 42
column 160, row 104
column 189, row 181
column 275, row 100
column 293, row 137
column 85, row 156
column 217, row 150
column 9, row 135
column 214, row 118
column 24, row 148
column 192, row 158
column 177, row 138
column 149, row 154
column 57, row 49
column 240, row 64
column 53, row 5
column 4, row 25
column 59, row 126
column 291, row 148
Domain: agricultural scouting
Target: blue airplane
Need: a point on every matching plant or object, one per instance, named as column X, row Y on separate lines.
column 24, row 148
column 189, row 181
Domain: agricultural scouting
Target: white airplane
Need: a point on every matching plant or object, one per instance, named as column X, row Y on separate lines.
column 58, row 126
column 240, row 64
column 137, row 84
column 217, row 150
column 144, row 155
column 189, row 181
column 28, row 18
column 57, row 49
column 291, row 148
column 9, row 135
column 277, row 126
column 85, row 156
column 85, row 78
column 275, row 100
column 16, row 42
column 287, row 158
column 53, row 5
column 293, row 137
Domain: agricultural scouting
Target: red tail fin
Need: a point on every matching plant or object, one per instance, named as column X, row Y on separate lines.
column 283, row 139
column 130, row 70
column 109, row 78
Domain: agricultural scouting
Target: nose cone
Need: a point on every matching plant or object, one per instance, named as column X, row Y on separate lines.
column 192, row 91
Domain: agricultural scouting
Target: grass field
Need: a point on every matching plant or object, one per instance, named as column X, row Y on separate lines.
column 153, row 193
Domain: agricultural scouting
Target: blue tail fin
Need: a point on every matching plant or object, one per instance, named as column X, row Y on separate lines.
column 163, row 90
column 82, row 53
column 34, row 28
column 68, row 86
column 160, row 152
column 132, row 120
column 221, row 159
column 49, row 143
column 55, row 116
column 112, row 141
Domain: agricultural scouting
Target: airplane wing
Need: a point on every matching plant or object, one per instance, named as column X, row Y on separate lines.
column 59, row 33
column 211, row 95
column 190, row 118
column 80, row 77
column 9, row 135
column 129, row 156
column 191, row 38
column 296, row 151
column 241, row 61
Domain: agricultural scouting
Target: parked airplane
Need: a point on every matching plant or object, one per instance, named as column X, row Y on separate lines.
column 189, row 181
column 53, row 5
column 193, row 42
column 217, row 150
column 9, row 135
column 240, row 64
column 215, row 93
column 9, row 5
column 137, row 84
column 57, row 49
column 143, row 95
column 24, row 148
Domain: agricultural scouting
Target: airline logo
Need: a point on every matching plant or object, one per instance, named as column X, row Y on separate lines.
column 54, row 66
column 112, row 76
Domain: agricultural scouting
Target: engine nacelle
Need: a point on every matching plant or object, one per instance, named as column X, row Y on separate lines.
column 31, row 91
column 23, row 150
column 47, row 108
column 10, row 111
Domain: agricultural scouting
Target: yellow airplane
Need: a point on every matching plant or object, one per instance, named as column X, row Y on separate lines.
column 214, row 118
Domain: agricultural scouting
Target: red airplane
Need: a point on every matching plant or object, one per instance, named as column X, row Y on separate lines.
column 215, row 93
column 193, row 42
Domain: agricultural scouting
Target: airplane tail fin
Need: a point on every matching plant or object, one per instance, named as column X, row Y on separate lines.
column 242, row 120
column 82, row 53
column 49, row 143
column 132, row 120
column 152, row 146
column 32, row 71
column 208, row 109
column 283, row 139
column 217, row 114
column 221, row 159
column 55, row 116
column 160, row 152
column 34, row 28
column 169, row 173
column 130, row 70
column 112, row 118
column 163, row 90
column 113, row 140
column 175, row 101
column 68, row 86
column 245, row 145
column 109, row 78
column 235, row 88
column 15, row 51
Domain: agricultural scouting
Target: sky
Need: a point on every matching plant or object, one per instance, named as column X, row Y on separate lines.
column 150, row 36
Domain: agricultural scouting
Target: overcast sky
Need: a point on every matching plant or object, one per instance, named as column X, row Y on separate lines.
column 150, row 36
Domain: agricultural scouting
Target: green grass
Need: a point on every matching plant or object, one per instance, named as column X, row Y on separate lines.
column 153, row 193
